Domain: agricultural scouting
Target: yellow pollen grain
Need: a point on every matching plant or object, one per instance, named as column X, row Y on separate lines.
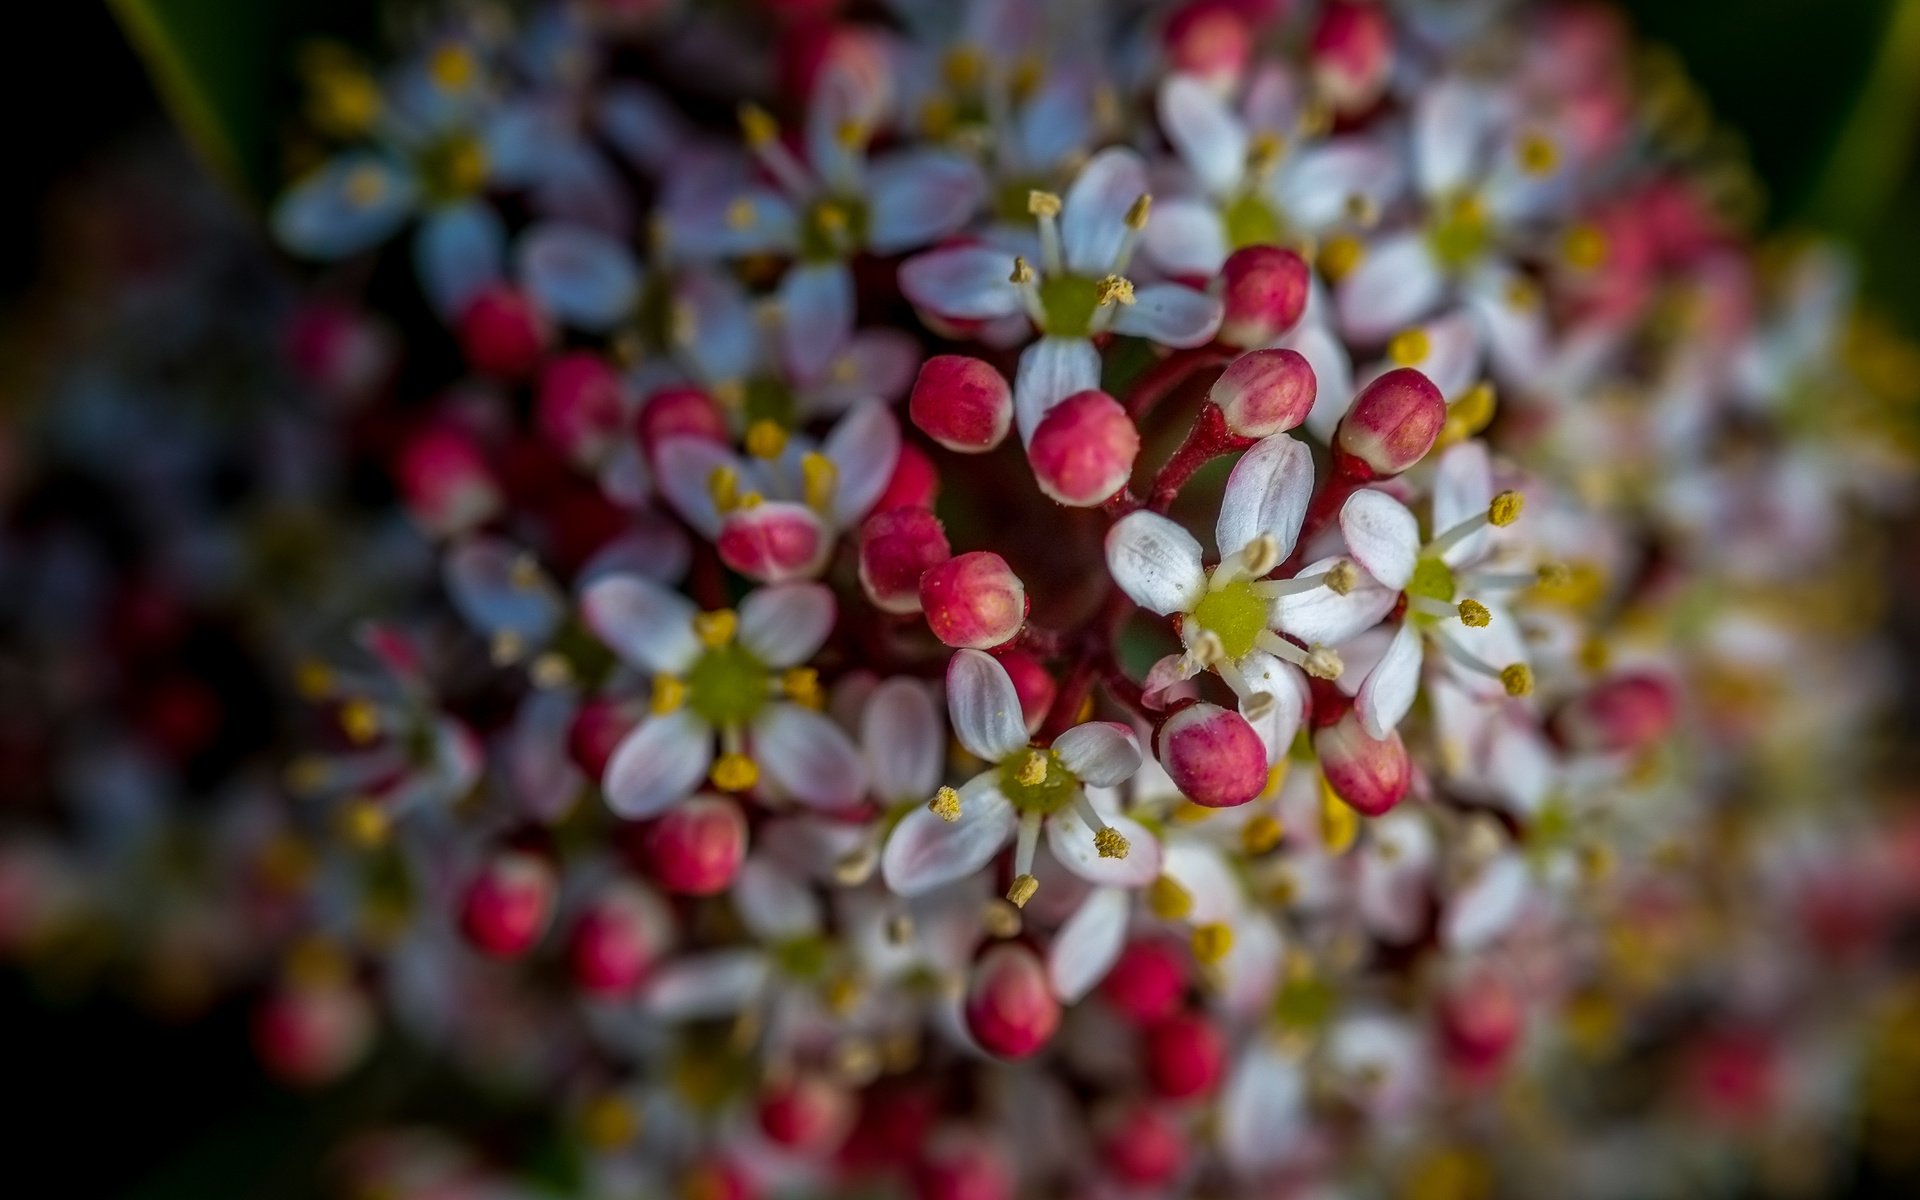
column 1475, row 407
column 963, row 66
column 1537, row 154
column 669, row 694
column 1339, row 824
column 741, row 214
column 1169, row 899
column 366, row 184
column 819, row 478
column 360, row 720
column 1276, row 778
column 751, row 500
column 757, row 125
column 1022, row 890
column 1033, row 772
column 507, row 647
column 723, row 488
column 1022, row 271
column 1263, row 153
column 1261, row 834
column 1474, row 614
column 609, row 1122
column 364, row 823
column 1110, row 843
column 802, row 686
column 1505, row 509
column 1517, row 679
column 717, row 628
column 1584, row 248
column 1043, row 204
column 945, row 805
column 1554, row 574
column 851, row 135
column 1212, row 942
column 1000, row 918
column 1410, row 347
column 1138, row 211
column 1114, row 289
column 734, row 773
column 1342, row 578
column 765, row 439
column 312, row 679
column 1339, row 256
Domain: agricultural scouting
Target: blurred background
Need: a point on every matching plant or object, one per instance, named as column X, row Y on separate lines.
column 142, row 127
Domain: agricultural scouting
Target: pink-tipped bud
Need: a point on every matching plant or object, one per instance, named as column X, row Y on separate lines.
column 503, row 333
column 1391, row 426
column 1623, row 714
column 962, row 402
column 1352, row 52
column 962, row 1166
column 448, row 486
column 338, row 349
column 1264, row 392
column 973, row 601
column 309, row 1034
column 1147, row 981
column 1480, row 1022
column 1144, row 1146
column 1185, row 1056
column 1213, row 756
column 1209, row 39
column 580, row 411
column 807, row 1113
column 680, row 412
column 599, row 726
column 1010, row 1009
column 1371, row 775
column 1033, row 683
column 1263, row 290
column 773, row 542
column 614, row 942
column 1083, row 450
column 914, row 483
column 696, row 848
column 507, row 905
column 897, row 546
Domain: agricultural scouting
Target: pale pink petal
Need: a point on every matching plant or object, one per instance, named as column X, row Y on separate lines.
column 1489, row 905
column 641, row 621
column 658, row 765
column 809, row 757
column 816, row 317
column 1207, row 135
column 963, row 283
column 1088, row 944
column 983, row 706
column 1102, row 753
column 1278, row 720
column 1462, row 488
column 1171, row 315
column 1323, row 617
column 1070, row 840
column 1383, row 700
column 1382, row 536
column 1093, row 223
column 864, row 447
column 784, row 624
column 1156, row 562
column 718, row 983
column 1051, row 369
column 772, row 902
column 685, row 466
column 925, row 852
column 1267, row 494
column 1184, row 236
column 919, row 196
column 1397, row 282
column 906, row 748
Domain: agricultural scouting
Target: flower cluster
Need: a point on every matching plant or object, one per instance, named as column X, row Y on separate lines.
column 1409, row 611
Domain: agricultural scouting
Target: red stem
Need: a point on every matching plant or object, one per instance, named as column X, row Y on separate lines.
column 1163, row 378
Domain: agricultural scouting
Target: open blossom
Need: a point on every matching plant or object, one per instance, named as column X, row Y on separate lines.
column 1025, row 790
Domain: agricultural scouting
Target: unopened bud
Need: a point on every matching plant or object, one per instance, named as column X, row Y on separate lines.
column 1352, row 53
column 1371, row 774
column 1264, row 392
column 897, row 547
column 1185, row 1056
column 696, row 848
column 973, row 601
column 507, row 905
column 1010, row 1009
column 448, row 486
column 771, row 542
column 1623, row 714
column 1083, row 450
column 1209, row 39
column 1391, row 426
column 579, row 410
column 614, row 942
column 1147, row 982
column 962, row 402
column 503, row 333
column 1263, row 290
column 680, row 412
column 1213, row 756
column 807, row 1113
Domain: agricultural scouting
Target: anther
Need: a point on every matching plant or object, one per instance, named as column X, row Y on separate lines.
column 1339, row 256
column 1339, row 824
column 1022, row 890
column 802, row 686
column 1323, row 662
column 1022, row 271
column 740, row 214
column 1474, row 614
column 1517, row 678
column 360, row 720
column 945, row 805
column 669, row 694
column 723, row 488
column 1554, row 575
column 1043, row 204
column 717, row 628
column 1212, row 942
column 1342, row 577
column 1537, row 154
column 1410, row 347
column 1505, row 509
column 819, row 478
column 734, row 773
column 1110, row 842
column 1169, row 899
column 765, row 439
column 1263, row 153
column 507, row 647
column 1033, row 772
column 1260, row 834
column 757, row 125
column 1114, row 289
column 1138, row 210
column 1001, row 918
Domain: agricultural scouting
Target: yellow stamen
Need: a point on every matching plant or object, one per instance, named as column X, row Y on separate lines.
column 452, row 68
column 1212, row 942
column 1033, row 772
column 313, row 679
column 819, row 478
column 669, row 694
column 525, row 573
column 551, row 670
column 963, row 66
column 1263, row 153
column 936, row 118
column 831, row 218
column 1138, row 211
column 717, row 628
column 851, row 135
column 1537, row 154
column 757, row 126
column 1474, row 614
column 723, row 488
column 945, row 805
column 1517, row 679
column 1169, row 899
column 1110, row 842
column 741, row 214
column 1043, row 204
column 609, row 1123
column 1276, row 776
column 765, row 439
column 1022, row 271
column 802, row 686
column 507, row 647
column 1342, row 578
column 751, row 500
column 1410, row 347
column 360, row 720
column 734, row 773
column 1584, row 247
column 1000, row 918
column 346, row 102
column 1114, row 289
column 1261, row 834
column 1323, row 662
column 364, row 823
column 1339, row 256
column 1554, row 574
column 1505, row 509
column 366, row 185
column 1022, row 890
column 841, row 994
column 1339, row 824
column 1474, row 409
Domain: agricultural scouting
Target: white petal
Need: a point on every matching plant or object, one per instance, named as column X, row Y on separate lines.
column 1394, row 875
column 1094, row 221
column 485, row 578
column 1332, row 372
column 1382, row 536
column 658, row 765
column 900, row 729
column 1315, row 187
column 1397, row 282
column 1088, row 944
column 919, row 196
column 809, row 757
column 925, row 852
column 351, row 204
column 784, row 624
column 1171, row 315
column 1276, row 721
column 1322, row 617
column 1102, row 753
column 984, row 707
column 685, row 466
column 1262, row 1111
column 1462, row 488
column 773, row 903
column 718, row 983
column 1247, row 977
column 816, row 317
column 1070, row 840
column 644, row 623
column 580, row 275
column 1184, row 236
column 1516, row 334
column 1051, row 369
column 1383, row 700
column 1156, row 562
column 1488, row 906
column 864, row 448
column 964, row 283
column 1498, row 644
column 1450, row 126
column 1203, row 872
column 458, row 253
column 1208, row 137
column 1266, row 494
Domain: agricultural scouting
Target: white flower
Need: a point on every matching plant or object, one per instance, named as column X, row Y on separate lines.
column 1026, row 790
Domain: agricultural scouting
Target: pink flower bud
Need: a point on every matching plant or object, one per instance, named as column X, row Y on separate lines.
column 1010, row 1008
column 1144, row 1146
column 503, row 334
column 897, row 546
column 1147, row 982
column 1210, row 39
column 614, row 942
column 962, row 1166
column 337, row 348
column 579, row 408
column 1391, row 426
column 599, row 726
column 1033, row 683
column 1370, row 775
column 1264, row 291
column 309, row 1034
column 773, row 542
column 914, row 483
column 1480, row 1021
column 1264, row 392
column 1213, row 755
column 695, row 849
column 1352, row 51
column 962, row 402
column 973, row 601
column 1185, row 1056
column 449, row 487
column 680, row 412
column 1083, row 450
column 507, row 905
column 716, row 1178
column 1623, row 714
column 806, row 1113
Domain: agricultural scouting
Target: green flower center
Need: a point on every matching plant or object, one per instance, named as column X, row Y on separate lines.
column 1010, row 202
column 1250, row 221
column 1303, row 1004
column 1036, row 781
column 451, row 168
column 768, row 398
column 1069, row 302
column 1432, row 579
column 1458, row 235
column 1234, row 615
column 802, row 957
column 728, row 686
column 833, row 228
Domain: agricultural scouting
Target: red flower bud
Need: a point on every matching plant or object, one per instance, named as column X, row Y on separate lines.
column 599, row 727
column 1213, row 756
column 507, row 905
column 1144, row 1146
column 1083, row 450
column 962, row 1166
column 503, row 333
column 1010, row 1009
column 1033, row 683
column 1391, row 426
column 806, row 1113
column 773, row 541
column 614, row 942
column 897, row 546
column 1480, row 1021
column 680, row 412
column 1352, row 51
column 1210, row 39
column 449, row 487
column 962, row 402
column 1370, row 775
column 308, row 1034
column 1622, row 714
column 914, row 483
column 1147, row 982
column 1185, row 1056
column 973, row 601
column 696, row 848
column 1264, row 392
column 716, row 1179
column 579, row 408
column 1263, row 290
